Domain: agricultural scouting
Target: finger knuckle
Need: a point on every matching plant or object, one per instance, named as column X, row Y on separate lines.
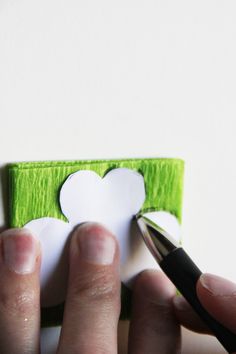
column 20, row 302
column 100, row 286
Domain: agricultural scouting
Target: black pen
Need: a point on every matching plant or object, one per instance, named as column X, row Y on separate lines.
column 183, row 273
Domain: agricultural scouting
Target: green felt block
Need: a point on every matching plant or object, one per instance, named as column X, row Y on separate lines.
column 34, row 190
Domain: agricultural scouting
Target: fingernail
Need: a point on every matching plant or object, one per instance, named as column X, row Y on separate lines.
column 96, row 245
column 218, row 286
column 19, row 250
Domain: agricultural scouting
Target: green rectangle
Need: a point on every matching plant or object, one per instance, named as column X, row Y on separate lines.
column 34, row 191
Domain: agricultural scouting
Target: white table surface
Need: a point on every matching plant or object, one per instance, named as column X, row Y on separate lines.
column 111, row 79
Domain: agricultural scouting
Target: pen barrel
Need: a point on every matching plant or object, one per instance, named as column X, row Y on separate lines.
column 182, row 271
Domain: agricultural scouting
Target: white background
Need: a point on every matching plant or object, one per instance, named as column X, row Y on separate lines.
column 110, row 79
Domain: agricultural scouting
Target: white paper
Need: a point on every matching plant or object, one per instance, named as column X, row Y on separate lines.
column 112, row 201
column 54, row 238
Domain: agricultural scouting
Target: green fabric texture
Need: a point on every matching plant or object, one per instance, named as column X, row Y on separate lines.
column 34, row 190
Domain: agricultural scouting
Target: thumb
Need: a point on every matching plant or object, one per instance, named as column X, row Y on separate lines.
column 218, row 296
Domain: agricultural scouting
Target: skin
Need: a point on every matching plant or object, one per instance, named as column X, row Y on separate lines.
column 93, row 301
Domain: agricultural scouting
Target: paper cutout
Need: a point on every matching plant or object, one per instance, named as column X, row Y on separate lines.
column 112, row 201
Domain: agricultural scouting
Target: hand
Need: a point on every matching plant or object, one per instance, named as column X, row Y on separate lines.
column 218, row 296
column 93, row 299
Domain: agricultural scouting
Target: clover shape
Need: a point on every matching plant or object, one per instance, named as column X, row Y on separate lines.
column 113, row 201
